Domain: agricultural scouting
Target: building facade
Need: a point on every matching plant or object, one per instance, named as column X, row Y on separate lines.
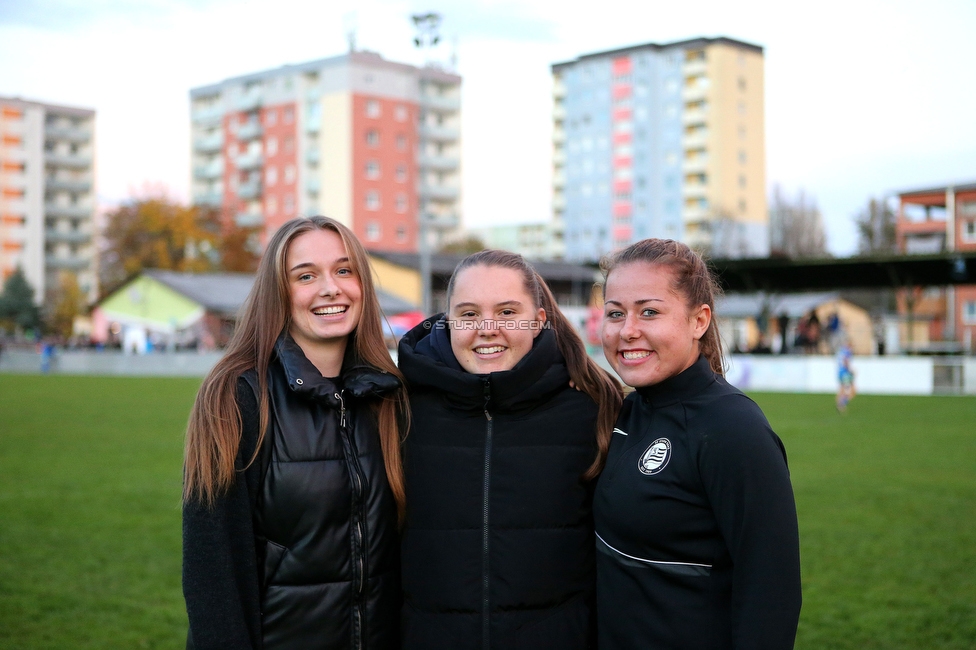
column 661, row 140
column 47, row 195
column 938, row 220
column 369, row 142
column 534, row 241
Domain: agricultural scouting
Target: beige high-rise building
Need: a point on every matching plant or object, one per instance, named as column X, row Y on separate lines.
column 47, row 195
column 661, row 140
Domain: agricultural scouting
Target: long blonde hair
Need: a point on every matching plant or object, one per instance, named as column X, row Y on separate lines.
column 213, row 435
column 585, row 373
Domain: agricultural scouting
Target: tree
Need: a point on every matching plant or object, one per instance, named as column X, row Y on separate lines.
column 69, row 301
column 467, row 246
column 17, row 306
column 159, row 234
column 796, row 227
column 876, row 228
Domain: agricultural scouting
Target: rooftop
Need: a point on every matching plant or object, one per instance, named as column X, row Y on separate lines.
column 685, row 44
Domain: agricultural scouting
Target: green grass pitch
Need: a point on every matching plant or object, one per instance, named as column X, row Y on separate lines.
column 90, row 520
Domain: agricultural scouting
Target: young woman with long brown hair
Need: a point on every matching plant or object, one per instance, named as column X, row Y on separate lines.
column 292, row 479
column 695, row 522
column 500, row 462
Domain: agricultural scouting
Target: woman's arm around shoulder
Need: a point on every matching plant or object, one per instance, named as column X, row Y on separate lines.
column 744, row 472
column 220, row 573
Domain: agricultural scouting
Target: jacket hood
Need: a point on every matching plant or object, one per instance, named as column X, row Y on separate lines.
column 357, row 378
column 427, row 363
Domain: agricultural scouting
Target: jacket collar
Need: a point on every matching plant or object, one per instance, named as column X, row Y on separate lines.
column 427, row 362
column 357, row 378
column 690, row 381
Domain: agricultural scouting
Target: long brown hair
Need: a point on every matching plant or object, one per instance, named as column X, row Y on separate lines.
column 584, row 372
column 213, row 435
column 692, row 280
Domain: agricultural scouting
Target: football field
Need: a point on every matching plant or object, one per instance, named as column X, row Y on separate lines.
column 90, row 518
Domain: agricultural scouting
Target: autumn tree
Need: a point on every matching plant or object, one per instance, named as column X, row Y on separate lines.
column 159, row 234
column 876, row 228
column 17, row 308
column 69, row 301
column 466, row 246
column 796, row 228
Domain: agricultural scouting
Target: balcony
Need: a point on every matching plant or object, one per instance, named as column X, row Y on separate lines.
column 67, row 263
column 446, row 220
column 210, row 143
column 439, row 133
column 68, row 211
column 249, row 130
column 559, row 112
column 441, row 103
column 207, row 116
column 71, row 134
column 249, row 161
column 54, row 235
column 249, row 102
column 313, row 185
column 439, row 192
column 695, row 165
column 558, row 137
column 67, row 185
column 439, row 163
column 695, row 116
column 75, row 161
column 559, row 180
column 559, row 157
column 209, row 199
column 249, row 190
column 312, row 126
column 558, row 89
column 312, row 156
column 249, row 220
column 697, row 139
column 211, row 171
column 692, row 215
column 694, row 92
column 694, row 68
column 694, row 190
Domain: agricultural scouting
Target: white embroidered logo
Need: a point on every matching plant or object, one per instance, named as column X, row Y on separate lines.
column 656, row 457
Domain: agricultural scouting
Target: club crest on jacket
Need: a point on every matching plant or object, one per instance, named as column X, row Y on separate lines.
column 655, row 458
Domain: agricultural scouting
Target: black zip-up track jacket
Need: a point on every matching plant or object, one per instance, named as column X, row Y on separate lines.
column 303, row 550
column 697, row 543
column 498, row 549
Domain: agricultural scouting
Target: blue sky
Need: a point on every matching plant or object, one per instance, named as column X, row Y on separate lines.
column 863, row 97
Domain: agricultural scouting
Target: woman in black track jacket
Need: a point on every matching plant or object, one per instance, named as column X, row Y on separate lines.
column 292, row 474
column 697, row 543
column 498, row 547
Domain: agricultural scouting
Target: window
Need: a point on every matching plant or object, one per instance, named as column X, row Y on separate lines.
column 289, row 144
column 969, row 231
column 742, row 83
column 742, row 108
column 372, row 231
column 400, row 114
column 967, row 208
column 289, row 204
column 742, row 180
column 272, row 146
column 969, row 312
column 742, row 157
column 290, row 174
column 271, row 117
column 401, row 203
column 372, row 169
column 372, row 200
column 401, row 173
column 401, row 234
column 401, row 142
column 373, row 138
column 271, row 205
column 372, row 108
column 742, row 205
column 271, row 176
column 289, row 115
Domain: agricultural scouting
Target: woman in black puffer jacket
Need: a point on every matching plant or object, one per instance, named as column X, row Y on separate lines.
column 292, row 473
column 498, row 547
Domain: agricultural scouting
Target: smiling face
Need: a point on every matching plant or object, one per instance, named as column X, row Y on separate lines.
column 649, row 333
column 494, row 319
column 325, row 292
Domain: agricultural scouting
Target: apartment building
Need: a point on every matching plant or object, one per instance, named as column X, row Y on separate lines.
column 661, row 140
column 47, row 196
column 938, row 220
column 534, row 241
column 369, row 142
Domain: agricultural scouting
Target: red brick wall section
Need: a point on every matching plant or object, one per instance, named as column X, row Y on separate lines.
column 280, row 192
column 389, row 119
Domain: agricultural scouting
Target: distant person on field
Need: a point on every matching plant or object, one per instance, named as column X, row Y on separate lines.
column 292, row 480
column 845, row 376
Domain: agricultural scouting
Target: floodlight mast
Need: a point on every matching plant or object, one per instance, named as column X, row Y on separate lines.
column 427, row 37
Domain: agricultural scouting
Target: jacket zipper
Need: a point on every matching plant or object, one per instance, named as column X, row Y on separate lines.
column 486, row 612
column 359, row 615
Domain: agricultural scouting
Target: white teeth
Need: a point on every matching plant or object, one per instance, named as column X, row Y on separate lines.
column 637, row 354
column 493, row 349
column 327, row 311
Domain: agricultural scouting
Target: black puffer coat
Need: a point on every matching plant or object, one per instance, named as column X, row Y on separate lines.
column 498, row 550
column 303, row 552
